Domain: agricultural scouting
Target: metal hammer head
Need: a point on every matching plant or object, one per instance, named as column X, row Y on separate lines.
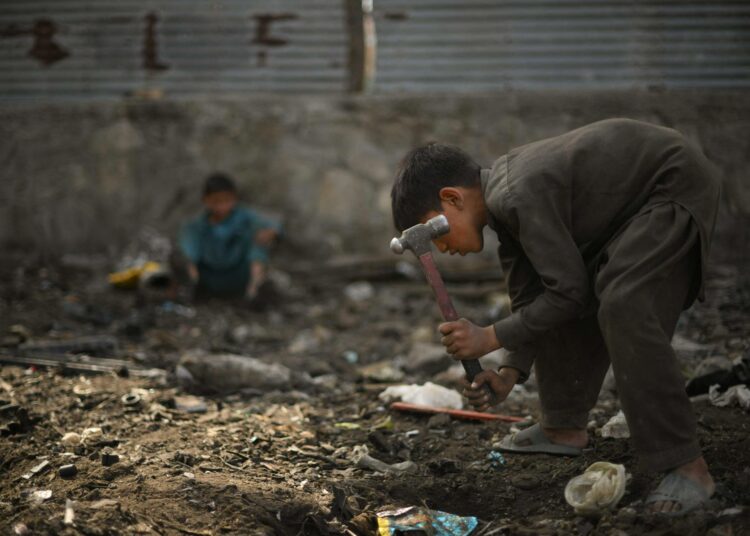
column 418, row 238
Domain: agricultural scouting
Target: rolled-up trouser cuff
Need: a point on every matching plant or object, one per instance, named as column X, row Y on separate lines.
column 565, row 419
column 666, row 460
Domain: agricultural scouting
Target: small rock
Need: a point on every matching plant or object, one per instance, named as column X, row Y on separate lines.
column 109, row 459
column 359, row 291
column 21, row 529
column 40, row 496
column 426, row 358
column 67, row 471
column 439, row 420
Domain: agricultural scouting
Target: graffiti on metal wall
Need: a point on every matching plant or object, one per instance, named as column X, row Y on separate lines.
column 263, row 35
column 44, row 48
column 47, row 51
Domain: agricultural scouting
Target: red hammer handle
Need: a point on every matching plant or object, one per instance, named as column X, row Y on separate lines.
column 471, row 366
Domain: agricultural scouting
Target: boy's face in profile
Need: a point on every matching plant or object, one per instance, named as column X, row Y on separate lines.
column 466, row 223
column 220, row 204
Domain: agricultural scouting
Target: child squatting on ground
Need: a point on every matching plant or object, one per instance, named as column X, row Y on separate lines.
column 227, row 245
column 604, row 234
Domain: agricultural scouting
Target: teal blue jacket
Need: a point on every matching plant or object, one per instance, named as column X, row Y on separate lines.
column 223, row 251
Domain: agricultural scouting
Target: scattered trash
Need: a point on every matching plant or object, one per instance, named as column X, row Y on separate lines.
column 70, row 514
column 458, row 413
column 142, row 274
column 190, row 404
column 351, row 357
column 178, row 309
column 416, row 519
column 359, row 291
column 67, row 471
column 427, row 358
column 229, row 372
column 37, row 469
column 362, row 459
column 189, row 475
column 93, row 344
column 347, row 425
column 599, row 488
column 736, row 395
column 429, row 394
column 70, row 439
column 439, row 420
column 382, row 372
column 736, row 373
column 616, row 427
column 90, row 435
column 496, row 458
column 21, row 529
column 16, row 420
column 40, row 496
column 130, row 399
column 109, row 459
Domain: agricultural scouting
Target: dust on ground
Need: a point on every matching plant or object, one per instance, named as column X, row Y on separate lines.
column 281, row 462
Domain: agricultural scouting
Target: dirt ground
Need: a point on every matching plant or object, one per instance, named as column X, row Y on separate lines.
column 280, row 462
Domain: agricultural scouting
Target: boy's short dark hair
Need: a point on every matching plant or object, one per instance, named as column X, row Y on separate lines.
column 423, row 172
column 218, row 182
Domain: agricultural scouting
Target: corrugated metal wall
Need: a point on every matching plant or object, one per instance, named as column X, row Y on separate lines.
column 447, row 45
column 77, row 49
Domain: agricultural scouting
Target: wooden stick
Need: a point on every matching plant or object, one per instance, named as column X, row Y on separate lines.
column 458, row 413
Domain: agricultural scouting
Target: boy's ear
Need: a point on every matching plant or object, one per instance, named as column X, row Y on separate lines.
column 452, row 196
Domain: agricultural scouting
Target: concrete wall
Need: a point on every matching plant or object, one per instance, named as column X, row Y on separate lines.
column 84, row 178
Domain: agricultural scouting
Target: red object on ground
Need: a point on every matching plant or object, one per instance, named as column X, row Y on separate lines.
column 459, row 413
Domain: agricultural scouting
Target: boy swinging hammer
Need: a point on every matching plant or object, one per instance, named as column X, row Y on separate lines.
column 604, row 234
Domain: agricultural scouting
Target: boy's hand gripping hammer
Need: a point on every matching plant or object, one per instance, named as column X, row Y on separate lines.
column 418, row 239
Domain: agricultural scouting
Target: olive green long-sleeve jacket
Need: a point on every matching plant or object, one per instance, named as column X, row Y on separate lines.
column 556, row 204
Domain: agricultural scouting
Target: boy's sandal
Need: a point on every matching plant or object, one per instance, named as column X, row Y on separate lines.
column 532, row 440
column 679, row 489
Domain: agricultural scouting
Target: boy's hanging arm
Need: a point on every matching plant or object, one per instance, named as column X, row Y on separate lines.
column 547, row 278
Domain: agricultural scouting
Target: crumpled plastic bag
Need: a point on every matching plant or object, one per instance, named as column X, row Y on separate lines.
column 424, row 521
column 737, row 394
column 616, row 427
column 599, row 488
column 428, row 394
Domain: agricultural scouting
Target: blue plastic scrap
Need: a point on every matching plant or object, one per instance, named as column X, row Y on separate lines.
column 496, row 459
column 432, row 522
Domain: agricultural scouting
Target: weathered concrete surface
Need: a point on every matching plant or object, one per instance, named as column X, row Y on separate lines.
column 83, row 178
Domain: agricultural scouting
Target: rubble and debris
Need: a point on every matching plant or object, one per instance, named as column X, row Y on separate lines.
column 70, row 439
column 616, row 427
column 359, row 291
column 736, row 395
column 39, row 496
column 429, row 394
column 190, row 404
column 426, row 358
column 228, row 373
column 416, row 519
column 382, row 372
column 739, row 373
column 109, row 459
column 361, row 458
column 599, row 488
column 69, row 516
column 92, row 344
column 67, row 471
column 496, row 459
column 37, row 469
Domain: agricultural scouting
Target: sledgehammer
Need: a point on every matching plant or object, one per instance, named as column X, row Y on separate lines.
column 418, row 239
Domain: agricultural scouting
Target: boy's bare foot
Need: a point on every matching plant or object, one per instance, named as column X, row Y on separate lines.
column 569, row 437
column 697, row 473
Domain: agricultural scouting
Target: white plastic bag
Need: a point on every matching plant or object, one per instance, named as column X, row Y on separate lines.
column 428, row 394
column 599, row 488
column 616, row 427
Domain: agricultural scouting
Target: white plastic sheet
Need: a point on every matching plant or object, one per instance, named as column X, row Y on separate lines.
column 599, row 488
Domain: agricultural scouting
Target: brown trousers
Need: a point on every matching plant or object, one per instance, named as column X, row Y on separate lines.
column 648, row 274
